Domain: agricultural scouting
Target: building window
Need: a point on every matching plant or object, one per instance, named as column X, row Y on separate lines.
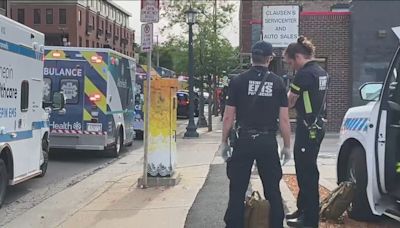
column 87, row 43
column 102, row 25
column 63, row 16
column 97, row 45
column 80, row 41
column 92, row 43
column 49, row 16
column 80, row 17
column 24, row 96
column 36, row 16
column 93, row 21
column 21, row 16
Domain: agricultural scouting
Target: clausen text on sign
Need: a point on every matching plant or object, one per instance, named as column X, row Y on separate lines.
column 280, row 24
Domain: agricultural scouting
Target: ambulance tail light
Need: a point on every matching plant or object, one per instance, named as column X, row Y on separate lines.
column 56, row 54
column 96, row 59
column 95, row 98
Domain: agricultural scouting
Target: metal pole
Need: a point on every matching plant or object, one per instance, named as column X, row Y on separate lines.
column 210, row 99
column 202, row 122
column 146, row 120
column 158, row 54
column 191, row 128
column 215, row 103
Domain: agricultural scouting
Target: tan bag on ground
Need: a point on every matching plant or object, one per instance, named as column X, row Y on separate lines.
column 256, row 212
column 333, row 207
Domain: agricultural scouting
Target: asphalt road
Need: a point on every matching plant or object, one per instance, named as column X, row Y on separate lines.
column 66, row 167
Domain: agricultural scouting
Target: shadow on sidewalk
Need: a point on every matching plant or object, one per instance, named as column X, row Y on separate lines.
column 209, row 207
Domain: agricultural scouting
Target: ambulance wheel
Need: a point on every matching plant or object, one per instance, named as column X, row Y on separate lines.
column 3, row 181
column 357, row 173
column 116, row 149
column 45, row 153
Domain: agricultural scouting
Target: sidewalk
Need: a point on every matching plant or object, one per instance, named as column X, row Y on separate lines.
column 110, row 197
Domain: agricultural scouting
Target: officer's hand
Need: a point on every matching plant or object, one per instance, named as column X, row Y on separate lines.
column 285, row 155
column 224, row 150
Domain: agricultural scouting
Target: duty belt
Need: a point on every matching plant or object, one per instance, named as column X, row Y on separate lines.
column 254, row 133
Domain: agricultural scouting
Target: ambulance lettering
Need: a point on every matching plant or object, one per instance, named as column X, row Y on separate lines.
column 64, row 72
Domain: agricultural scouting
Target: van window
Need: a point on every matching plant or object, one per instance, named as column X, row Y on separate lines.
column 47, row 90
column 24, row 96
column 70, row 89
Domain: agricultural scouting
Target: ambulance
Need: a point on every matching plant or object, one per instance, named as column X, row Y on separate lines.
column 24, row 127
column 370, row 147
column 98, row 85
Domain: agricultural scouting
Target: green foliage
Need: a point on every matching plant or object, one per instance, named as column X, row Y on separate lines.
column 213, row 53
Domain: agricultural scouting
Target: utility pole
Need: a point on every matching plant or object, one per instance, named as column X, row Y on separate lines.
column 158, row 54
column 215, row 107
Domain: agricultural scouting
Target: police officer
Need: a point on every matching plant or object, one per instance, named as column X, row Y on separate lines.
column 307, row 94
column 256, row 112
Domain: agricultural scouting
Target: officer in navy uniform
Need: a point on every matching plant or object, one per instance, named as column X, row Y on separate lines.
column 307, row 95
column 257, row 123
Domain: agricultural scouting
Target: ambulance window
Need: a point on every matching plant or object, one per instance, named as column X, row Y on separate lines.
column 24, row 96
column 70, row 89
column 47, row 90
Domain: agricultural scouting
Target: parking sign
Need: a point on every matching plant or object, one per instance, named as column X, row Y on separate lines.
column 147, row 37
column 149, row 11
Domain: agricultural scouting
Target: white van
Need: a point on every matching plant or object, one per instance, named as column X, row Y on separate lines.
column 24, row 126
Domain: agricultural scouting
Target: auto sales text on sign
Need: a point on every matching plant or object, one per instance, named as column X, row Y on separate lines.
column 280, row 24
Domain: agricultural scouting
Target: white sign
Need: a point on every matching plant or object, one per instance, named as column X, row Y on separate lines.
column 147, row 37
column 149, row 11
column 280, row 24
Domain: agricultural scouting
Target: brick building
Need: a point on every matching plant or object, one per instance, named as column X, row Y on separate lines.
column 330, row 32
column 83, row 23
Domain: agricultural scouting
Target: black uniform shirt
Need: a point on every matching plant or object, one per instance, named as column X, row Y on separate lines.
column 310, row 83
column 263, row 113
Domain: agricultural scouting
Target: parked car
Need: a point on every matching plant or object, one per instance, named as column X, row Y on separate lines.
column 183, row 104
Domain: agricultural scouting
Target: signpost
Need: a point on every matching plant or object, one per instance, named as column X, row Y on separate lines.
column 280, row 24
column 149, row 13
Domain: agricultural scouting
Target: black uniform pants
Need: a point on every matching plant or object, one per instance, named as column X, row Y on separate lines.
column 264, row 150
column 305, row 156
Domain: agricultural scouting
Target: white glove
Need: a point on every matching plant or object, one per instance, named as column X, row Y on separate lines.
column 285, row 155
column 225, row 151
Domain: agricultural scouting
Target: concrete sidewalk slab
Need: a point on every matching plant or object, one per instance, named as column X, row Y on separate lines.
column 124, row 205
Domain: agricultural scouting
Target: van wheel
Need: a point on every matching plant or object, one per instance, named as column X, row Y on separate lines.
column 116, row 149
column 357, row 173
column 45, row 153
column 3, row 181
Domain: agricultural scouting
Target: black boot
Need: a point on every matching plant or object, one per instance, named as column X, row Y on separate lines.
column 294, row 215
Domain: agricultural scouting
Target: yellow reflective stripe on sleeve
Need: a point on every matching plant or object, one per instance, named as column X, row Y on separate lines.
column 398, row 167
column 307, row 102
column 295, row 87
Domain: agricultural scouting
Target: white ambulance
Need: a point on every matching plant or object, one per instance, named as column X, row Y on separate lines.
column 24, row 126
column 370, row 147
